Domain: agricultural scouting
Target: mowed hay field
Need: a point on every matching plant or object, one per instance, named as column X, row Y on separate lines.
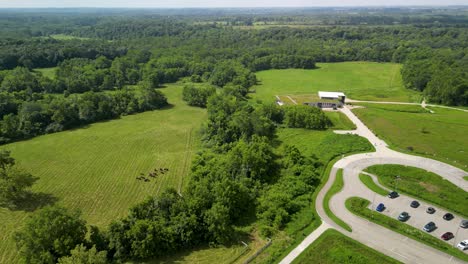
column 94, row 168
column 440, row 135
column 358, row 80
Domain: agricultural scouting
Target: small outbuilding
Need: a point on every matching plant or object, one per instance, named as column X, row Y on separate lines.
column 328, row 100
column 332, row 96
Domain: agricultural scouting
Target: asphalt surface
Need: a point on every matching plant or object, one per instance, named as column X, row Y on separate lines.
column 419, row 217
column 380, row 238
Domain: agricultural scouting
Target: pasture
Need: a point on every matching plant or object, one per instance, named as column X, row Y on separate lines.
column 47, row 72
column 333, row 247
column 440, row 135
column 67, row 37
column 94, row 168
column 358, row 80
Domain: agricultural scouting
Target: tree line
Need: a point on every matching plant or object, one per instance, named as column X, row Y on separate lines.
column 56, row 113
column 237, row 176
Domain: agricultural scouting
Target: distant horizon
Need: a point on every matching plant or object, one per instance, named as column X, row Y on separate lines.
column 229, row 7
column 203, row 4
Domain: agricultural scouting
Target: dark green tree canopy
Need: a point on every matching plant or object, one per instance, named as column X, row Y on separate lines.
column 50, row 234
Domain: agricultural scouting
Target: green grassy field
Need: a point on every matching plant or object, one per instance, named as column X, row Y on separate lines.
column 424, row 185
column 369, row 182
column 441, row 135
column 334, row 189
column 66, row 37
column 94, row 168
column 47, row 72
column 358, row 80
column 340, row 121
column 358, row 206
column 334, row 248
column 324, row 144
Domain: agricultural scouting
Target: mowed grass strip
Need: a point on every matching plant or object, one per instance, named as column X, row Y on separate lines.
column 333, row 247
column 358, row 206
column 369, row 182
column 335, row 188
column 94, row 168
column 325, row 145
column 358, row 80
column 424, row 185
column 340, row 121
column 440, row 135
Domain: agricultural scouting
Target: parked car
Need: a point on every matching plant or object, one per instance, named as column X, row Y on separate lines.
column 403, row 216
column 393, row 195
column 429, row 227
column 430, row 210
column 380, row 207
column 464, row 224
column 447, row 236
column 414, row 204
column 448, row 216
column 463, row 245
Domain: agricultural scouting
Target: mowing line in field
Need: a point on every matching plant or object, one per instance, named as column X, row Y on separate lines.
column 188, row 155
column 292, row 100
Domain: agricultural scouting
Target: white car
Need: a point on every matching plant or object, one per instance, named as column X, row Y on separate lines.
column 463, row 245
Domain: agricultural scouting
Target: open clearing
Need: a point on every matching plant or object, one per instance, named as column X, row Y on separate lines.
column 358, row 80
column 47, row 72
column 441, row 135
column 94, row 168
column 333, row 247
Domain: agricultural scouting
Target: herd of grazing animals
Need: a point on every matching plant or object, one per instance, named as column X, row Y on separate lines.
column 154, row 174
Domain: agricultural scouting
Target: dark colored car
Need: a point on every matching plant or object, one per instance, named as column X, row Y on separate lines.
column 448, row 216
column 447, row 236
column 414, row 204
column 429, row 227
column 430, row 210
column 393, row 195
column 464, row 224
column 403, row 216
column 380, row 207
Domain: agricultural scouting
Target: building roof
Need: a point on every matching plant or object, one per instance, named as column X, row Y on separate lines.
column 331, row 94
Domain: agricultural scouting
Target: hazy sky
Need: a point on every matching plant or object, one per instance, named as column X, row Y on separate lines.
column 219, row 3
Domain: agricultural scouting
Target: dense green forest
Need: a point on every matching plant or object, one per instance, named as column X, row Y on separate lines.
column 109, row 63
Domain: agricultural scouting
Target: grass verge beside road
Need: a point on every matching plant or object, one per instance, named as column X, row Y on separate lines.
column 340, row 121
column 423, row 185
column 335, row 188
column 410, row 129
column 307, row 220
column 369, row 182
column 358, row 206
column 333, row 247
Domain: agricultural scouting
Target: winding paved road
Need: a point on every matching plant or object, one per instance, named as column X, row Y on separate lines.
column 375, row 236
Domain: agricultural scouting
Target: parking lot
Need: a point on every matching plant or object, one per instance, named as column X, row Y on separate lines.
column 419, row 217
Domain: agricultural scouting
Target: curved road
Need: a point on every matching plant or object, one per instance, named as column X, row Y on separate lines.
column 375, row 236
